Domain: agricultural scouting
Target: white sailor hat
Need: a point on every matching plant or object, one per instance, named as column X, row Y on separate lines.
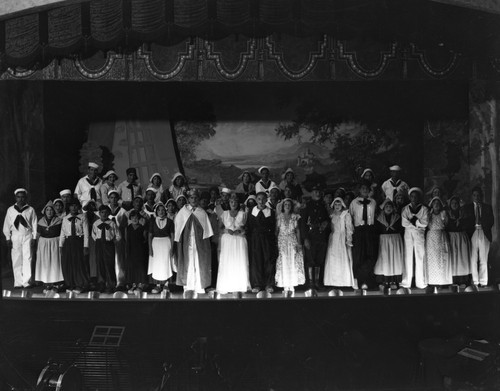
column 110, row 172
column 21, row 190
column 65, row 192
column 417, row 189
column 113, row 191
column 225, row 190
column 395, row 168
column 263, row 168
column 93, row 165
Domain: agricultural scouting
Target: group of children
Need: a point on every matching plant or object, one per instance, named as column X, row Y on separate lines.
column 110, row 237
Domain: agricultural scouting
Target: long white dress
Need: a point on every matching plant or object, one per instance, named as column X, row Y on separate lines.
column 290, row 262
column 437, row 252
column 233, row 273
column 338, row 264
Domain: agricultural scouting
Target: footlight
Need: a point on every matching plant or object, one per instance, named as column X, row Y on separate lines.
column 120, row 295
column 93, row 295
column 403, row 291
column 335, row 292
column 25, row 294
column 71, row 295
column 6, row 293
column 238, row 295
column 142, row 295
column 215, row 295
column 311, row 293
column 165, row 294
column 190, row 294
column 264, row 295
column 288, row 293
column 472, row 288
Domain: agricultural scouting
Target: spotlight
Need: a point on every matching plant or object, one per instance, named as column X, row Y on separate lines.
column 403, row 291
column 264, row 295
column 120, row 295
column 6, row 293
column 311, row 293
column 335, row 292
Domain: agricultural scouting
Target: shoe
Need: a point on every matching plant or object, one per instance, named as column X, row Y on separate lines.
column 132, row 289
column 269, row 289
column 157, row 289
column 256, row 289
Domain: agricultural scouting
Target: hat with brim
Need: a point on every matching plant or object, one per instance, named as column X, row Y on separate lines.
column 179, row 197
column 152, row 189
column 387, row 201
column 58, row 200
column 155, row 174
column 365, row 171
column 338, row 199
column 225, row 190
column 263, row 168
column 273, row 187
column 109, row 173
column 158, row 204
column 177, row 175
column 113, row 192
column 49, row 204
column 240, row 177
column 395, row 168
column 283, row 176
column 250, row 197
column 21, row 190
column 436, row 199
column 415, row 189
column 93, row 165
column 170, row 201
column 261, row 192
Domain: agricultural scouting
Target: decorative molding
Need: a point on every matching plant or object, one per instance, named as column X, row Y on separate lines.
column 95, row 74
column 359, row 70
column 245, row 57
column 314, row 57
column 146, row 57
column 20, row 74
column 424, row 63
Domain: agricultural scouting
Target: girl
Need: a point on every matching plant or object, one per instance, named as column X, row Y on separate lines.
column 460, row 245
column 250, row 202
column 110, row 177
column 288, row 179
column 171, row 206
column 48, row 260
column 389, row 266
column 181, row 200
column 155, row 182
column 290, row 262
column 233, row 275
column 59, row 208
column 437, row 247
column 150, row 198
column 400, row 201
column 136, row 265
column 179, row 186
column 369, row 176
column 161, row 232
column 245, row 187
column 338, row 264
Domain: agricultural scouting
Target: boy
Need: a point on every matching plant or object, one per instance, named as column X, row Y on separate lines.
column 19, row 228
column 105, row 233
column 129, row 189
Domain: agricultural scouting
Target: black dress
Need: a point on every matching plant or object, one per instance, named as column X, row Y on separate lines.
column 136, row 264
column 262, row 249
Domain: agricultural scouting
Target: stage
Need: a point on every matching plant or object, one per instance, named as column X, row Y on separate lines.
column 351, row 342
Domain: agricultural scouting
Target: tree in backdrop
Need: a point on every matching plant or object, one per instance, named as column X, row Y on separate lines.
column 354, row 144
column 193, row 123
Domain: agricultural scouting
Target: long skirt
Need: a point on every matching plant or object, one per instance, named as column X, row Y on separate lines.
column 460, row 249
column 389, row 266
column 105, row 257
column 160, row 264
column 233, row 275
column 48, row 261
column 338, row 265
column 437, row 258
column 75, row 269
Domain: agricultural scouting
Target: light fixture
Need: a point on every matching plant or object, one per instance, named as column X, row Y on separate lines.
column 190, row 294
column 472, row 288
column 26, row 294
column 335, row 292
column 165, row 294
column 288, row 293
column 93, row 295
column 311, row 293
column 6, row 293
column 264, row 295
column 120, row 295
column 238, row 295
column 403, row 291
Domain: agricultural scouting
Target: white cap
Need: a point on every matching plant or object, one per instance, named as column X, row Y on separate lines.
column 20, row 190
column 263, row 168
column 341, row 201
column 110, row 172
column 170, row 200
column 65, row 192
column 251, row 197
column 370, row 170
column 180, row 196
column 152, row 189
column 287, row 171
column 176, row 175
column 113, row 191
column 155, row 174
column 417, row 189
column 395, row 168
column 225, row 190
column 93, row 165
column 159, row 203
column 434, row 199
column 272, row 187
